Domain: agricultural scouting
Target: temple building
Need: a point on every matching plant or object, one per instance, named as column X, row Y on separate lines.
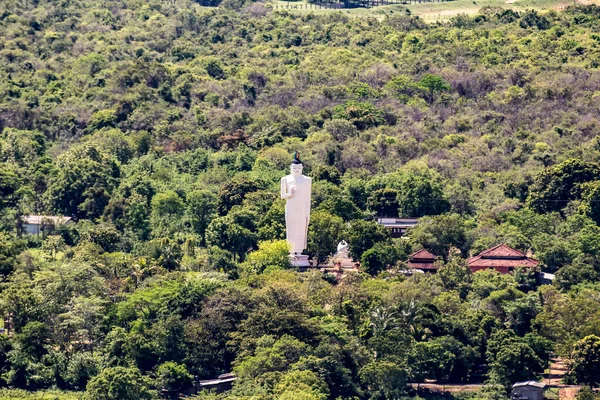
column 422, row 260
column 501, row 258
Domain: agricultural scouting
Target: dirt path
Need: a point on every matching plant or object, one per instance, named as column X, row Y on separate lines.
column 556, row 371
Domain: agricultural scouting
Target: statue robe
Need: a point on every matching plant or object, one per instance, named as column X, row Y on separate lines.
column 297, row 210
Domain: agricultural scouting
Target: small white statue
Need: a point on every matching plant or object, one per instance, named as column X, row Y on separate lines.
column 296, row 189
column 343, row 245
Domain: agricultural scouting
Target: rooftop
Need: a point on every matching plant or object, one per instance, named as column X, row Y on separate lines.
column 39, row 219
column 537, row 384
column 422, row 255
column 400, row 222
column 502, row 256
column 422, row 259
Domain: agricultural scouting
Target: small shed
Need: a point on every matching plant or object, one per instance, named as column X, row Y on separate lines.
column 529, row 390
column 36, row 224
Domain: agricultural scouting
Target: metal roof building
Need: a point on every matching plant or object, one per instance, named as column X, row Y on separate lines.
column 529, row 390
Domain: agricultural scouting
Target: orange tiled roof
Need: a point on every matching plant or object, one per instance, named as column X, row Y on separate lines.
column 422, row 255
column 502, row 256
column 422, row 259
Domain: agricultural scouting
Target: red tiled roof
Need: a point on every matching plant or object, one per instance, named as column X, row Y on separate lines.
column 502, row 251
column 421, row 265
column 501, row 256
column 422, row 255
column 422, row 259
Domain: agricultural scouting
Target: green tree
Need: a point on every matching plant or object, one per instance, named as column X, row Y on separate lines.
column 226, row 234
column 233, row 193
column 585, row 363
column 9, row 184
column 403, row 87
column 201, row 209
column 444, row 359
column 324, row 233
column 10, row 248
column 214, row 68
column 557, row 185
column 512, row 360
column 420, row 196
column 384, row 379
column 455, row 275
column 591, row 200
column 363, row 115
column 296, row 384
column 83, row 184
column 432, row 84
column 574, row 274
column 272, row 253
column 104, row 235
column 167, row 211
column 102, row 119
column 362, row 235
column 118, row 383
column 173, row 376
column 382, row 255
column 384, row 203
column 32, row 339
column 440, row 233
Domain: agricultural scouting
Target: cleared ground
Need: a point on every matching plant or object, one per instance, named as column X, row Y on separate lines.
column 8, row 394
column 433, row 11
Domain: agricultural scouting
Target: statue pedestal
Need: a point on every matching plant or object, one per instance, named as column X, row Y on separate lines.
column 299, row 261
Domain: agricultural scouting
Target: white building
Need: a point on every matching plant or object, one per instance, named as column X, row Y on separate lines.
column 36, row 224
column 398, row 226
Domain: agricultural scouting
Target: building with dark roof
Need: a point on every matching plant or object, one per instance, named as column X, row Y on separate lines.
column 423, row 260
column 501, row 258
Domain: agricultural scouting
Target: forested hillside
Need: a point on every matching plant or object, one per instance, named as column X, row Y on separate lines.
column 163, row 127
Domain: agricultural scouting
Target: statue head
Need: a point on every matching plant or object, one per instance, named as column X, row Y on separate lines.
column 296, row 167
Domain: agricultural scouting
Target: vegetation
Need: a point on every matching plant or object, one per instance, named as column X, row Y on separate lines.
column 163, row 128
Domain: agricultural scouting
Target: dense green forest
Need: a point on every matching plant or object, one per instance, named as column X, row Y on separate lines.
column 163, row 128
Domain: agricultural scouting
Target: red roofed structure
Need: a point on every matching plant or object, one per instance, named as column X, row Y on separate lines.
column 501, row 258
column 422, row 260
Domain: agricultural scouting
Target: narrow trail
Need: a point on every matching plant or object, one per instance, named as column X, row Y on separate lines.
column 554, row 379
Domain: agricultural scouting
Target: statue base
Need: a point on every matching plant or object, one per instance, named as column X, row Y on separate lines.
column 299, row 261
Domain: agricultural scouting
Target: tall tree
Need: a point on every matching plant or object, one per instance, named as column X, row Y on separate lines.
column 556, row 186
column 83, row 183
column 585, row 364
column 362, row 235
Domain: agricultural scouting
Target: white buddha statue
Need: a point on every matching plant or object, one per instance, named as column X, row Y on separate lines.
column 296, row 189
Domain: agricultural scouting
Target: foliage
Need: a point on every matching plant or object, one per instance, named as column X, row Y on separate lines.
column 363, row 235
column 274, row 253
column 164, row 128
column 118, row 383
column 173, row 376
column 585, row 365
column 559, row 184
column 324, row 233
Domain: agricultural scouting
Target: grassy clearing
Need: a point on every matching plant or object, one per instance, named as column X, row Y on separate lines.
column 433, row 11
column 9, row 394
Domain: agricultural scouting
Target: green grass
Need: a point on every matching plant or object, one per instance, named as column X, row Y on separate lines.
column 10, row 394
column 433, row 11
